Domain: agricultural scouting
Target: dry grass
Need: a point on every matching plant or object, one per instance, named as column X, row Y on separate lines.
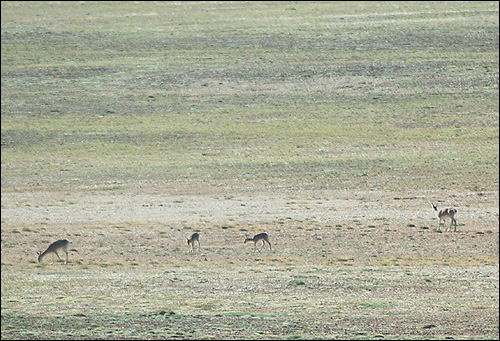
column 331, row 126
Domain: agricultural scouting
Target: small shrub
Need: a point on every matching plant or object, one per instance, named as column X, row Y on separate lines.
column 296, row 282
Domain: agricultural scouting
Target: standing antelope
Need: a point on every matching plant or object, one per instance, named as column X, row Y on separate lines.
column 195, row 237
column 446, row 213
column 261, row 236
column 53, row 248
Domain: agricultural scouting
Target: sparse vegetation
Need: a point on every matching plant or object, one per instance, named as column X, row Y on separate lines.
column 330, row 125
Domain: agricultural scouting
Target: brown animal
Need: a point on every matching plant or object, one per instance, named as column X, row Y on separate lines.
column 60, row 245
column 444, row 214
column 195, row 237
column 259, row 237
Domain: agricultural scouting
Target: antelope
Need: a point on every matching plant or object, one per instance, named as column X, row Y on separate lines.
column 53, row 248
column 259, row 237
column 195, row 237
column 443, row 214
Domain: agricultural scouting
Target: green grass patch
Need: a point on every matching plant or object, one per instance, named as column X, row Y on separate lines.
column 264, row 103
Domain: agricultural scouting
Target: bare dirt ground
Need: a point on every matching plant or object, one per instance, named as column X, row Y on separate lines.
column 343, row 265
column 127, row 126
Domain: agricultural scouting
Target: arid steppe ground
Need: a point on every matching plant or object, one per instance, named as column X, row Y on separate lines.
column 331, row 126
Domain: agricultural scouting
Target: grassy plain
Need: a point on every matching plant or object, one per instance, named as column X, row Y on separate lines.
column 331, row 125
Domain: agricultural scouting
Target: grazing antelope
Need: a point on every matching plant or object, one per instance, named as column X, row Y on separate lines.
column 53, row 248
column 195, row 237
column 259, row 237
column 446, row 213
